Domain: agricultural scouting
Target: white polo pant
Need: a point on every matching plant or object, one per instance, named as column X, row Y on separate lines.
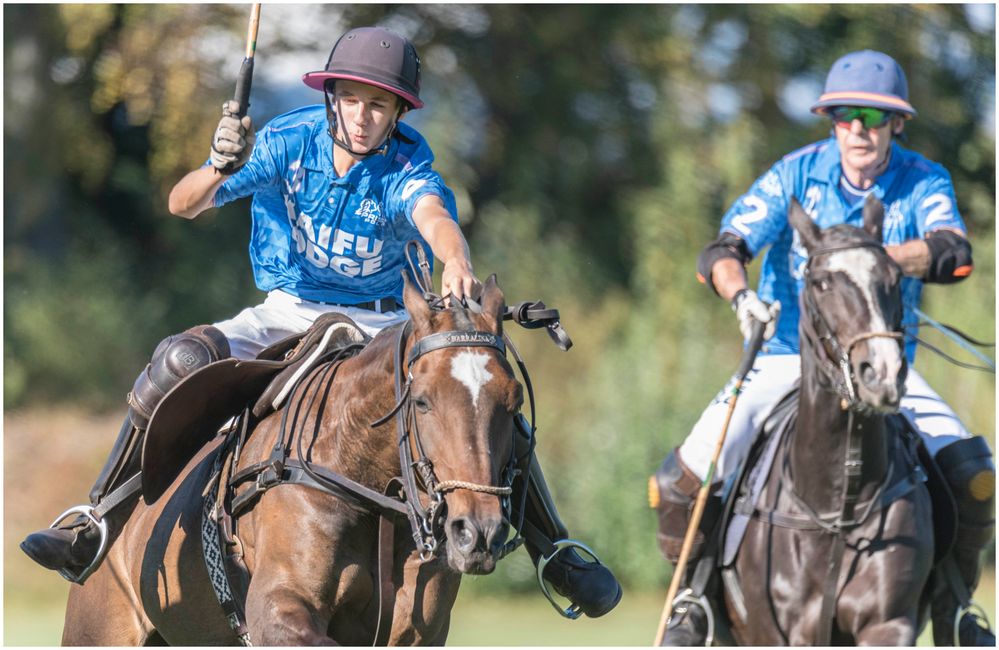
column 281, row 315
column 769, row 380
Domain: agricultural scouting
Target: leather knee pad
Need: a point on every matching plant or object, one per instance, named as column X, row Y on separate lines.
column 672, row 492
column 968, row 469
column 175, row 358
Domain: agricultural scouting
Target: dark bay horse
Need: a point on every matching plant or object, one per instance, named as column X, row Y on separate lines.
column 312, row 557
column 840, row 546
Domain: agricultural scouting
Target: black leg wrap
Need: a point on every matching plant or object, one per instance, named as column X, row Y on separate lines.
column 969, row 470
column 122, row 462
column 589, row 585
column 75, row 546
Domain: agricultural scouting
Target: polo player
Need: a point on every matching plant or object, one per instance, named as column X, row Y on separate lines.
column 866, row 100
column 338, row 190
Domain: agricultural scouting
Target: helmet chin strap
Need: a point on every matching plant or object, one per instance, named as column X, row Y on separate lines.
column 331, row 118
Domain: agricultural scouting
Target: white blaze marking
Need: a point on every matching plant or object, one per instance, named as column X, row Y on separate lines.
column 858, row 265
column 470, row 369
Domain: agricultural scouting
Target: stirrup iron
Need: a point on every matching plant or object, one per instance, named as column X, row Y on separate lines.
column 976, row 611
column 573, row 611
column 102, row 528
column 687, row 596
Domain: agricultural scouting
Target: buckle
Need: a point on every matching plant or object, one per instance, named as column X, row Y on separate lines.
column 102, row 528
column 573, row 611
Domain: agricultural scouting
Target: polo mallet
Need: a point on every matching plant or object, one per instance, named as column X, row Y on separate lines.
column 748, row 357
column 245, row 77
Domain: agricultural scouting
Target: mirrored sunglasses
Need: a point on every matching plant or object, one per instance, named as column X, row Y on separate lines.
column 870, row 117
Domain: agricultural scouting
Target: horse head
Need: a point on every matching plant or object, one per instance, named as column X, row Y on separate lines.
column 464, row 396
column 851, row 308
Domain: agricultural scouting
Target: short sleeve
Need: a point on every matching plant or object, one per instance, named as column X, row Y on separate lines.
column 259, row 172
column 759, row 216
column 936, row 206
column 417, row 183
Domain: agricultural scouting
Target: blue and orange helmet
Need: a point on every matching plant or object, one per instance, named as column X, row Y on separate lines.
column 866, row 78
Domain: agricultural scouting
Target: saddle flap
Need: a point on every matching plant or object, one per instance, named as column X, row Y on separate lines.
column 190, row 415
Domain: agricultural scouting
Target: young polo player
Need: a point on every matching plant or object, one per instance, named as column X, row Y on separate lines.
column 338, row 190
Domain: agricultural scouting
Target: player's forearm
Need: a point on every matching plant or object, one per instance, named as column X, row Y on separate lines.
column 195, row 193
column 729, row 277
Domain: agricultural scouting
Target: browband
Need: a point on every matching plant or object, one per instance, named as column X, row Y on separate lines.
column 455, row 339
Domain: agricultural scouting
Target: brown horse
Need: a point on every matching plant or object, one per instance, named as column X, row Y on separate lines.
column 311, row 556
column 839, row 547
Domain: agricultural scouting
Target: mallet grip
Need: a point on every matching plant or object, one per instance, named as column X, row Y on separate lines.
column 245, row 78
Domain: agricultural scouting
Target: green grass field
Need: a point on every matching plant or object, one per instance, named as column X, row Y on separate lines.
column 509, row 620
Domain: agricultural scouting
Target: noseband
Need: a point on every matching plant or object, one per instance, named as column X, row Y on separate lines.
column 418, row 473
column 836, row 366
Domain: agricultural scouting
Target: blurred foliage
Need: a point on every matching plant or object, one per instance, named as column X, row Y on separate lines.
column 593, row 149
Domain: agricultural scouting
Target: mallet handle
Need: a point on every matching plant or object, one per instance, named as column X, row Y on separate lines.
column 748, row 357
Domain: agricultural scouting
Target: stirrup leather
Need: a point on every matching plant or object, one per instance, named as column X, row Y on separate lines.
column 102, row 528
column 979, row 615
column 573, row 611
column 679, row 607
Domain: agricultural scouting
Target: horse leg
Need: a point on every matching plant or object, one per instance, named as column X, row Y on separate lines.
column 105, row 612
column 422, row 614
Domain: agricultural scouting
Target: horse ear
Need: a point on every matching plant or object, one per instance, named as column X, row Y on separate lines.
column 493, row 304
column 874, row 216
column 803, row 224
column 416, row 305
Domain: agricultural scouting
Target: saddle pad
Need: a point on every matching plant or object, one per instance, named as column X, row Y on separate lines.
column 755, row 470
column 190, row 414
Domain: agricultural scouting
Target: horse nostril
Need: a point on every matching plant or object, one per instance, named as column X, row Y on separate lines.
column 462, row 535
column 868, row 375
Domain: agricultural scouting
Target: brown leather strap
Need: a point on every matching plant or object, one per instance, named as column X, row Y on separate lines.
column 386, row 586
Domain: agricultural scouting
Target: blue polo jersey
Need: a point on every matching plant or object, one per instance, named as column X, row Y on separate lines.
column 917, row 194
column 327, row 238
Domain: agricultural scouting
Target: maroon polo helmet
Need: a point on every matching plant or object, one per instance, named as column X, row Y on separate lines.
column 374, row 56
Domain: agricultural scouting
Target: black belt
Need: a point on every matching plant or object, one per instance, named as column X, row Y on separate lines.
column 381, row 305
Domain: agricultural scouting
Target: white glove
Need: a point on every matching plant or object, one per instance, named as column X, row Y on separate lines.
column 748, row 308
column 233, row 140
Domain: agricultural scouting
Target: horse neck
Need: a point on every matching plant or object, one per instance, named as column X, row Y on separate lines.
column 818, row 453
column 363, row 392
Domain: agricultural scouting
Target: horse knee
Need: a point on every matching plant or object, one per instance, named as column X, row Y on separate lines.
column 175, row 358
column 672, row 491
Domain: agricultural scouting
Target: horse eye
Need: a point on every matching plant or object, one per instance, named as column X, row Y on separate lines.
column 422, row 405
column 822, row 284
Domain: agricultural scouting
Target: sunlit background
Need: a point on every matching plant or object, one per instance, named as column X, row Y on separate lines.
column 593, row 150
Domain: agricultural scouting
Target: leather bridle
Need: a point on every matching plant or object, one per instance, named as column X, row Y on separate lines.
column 417, row 469
column 834, row 357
